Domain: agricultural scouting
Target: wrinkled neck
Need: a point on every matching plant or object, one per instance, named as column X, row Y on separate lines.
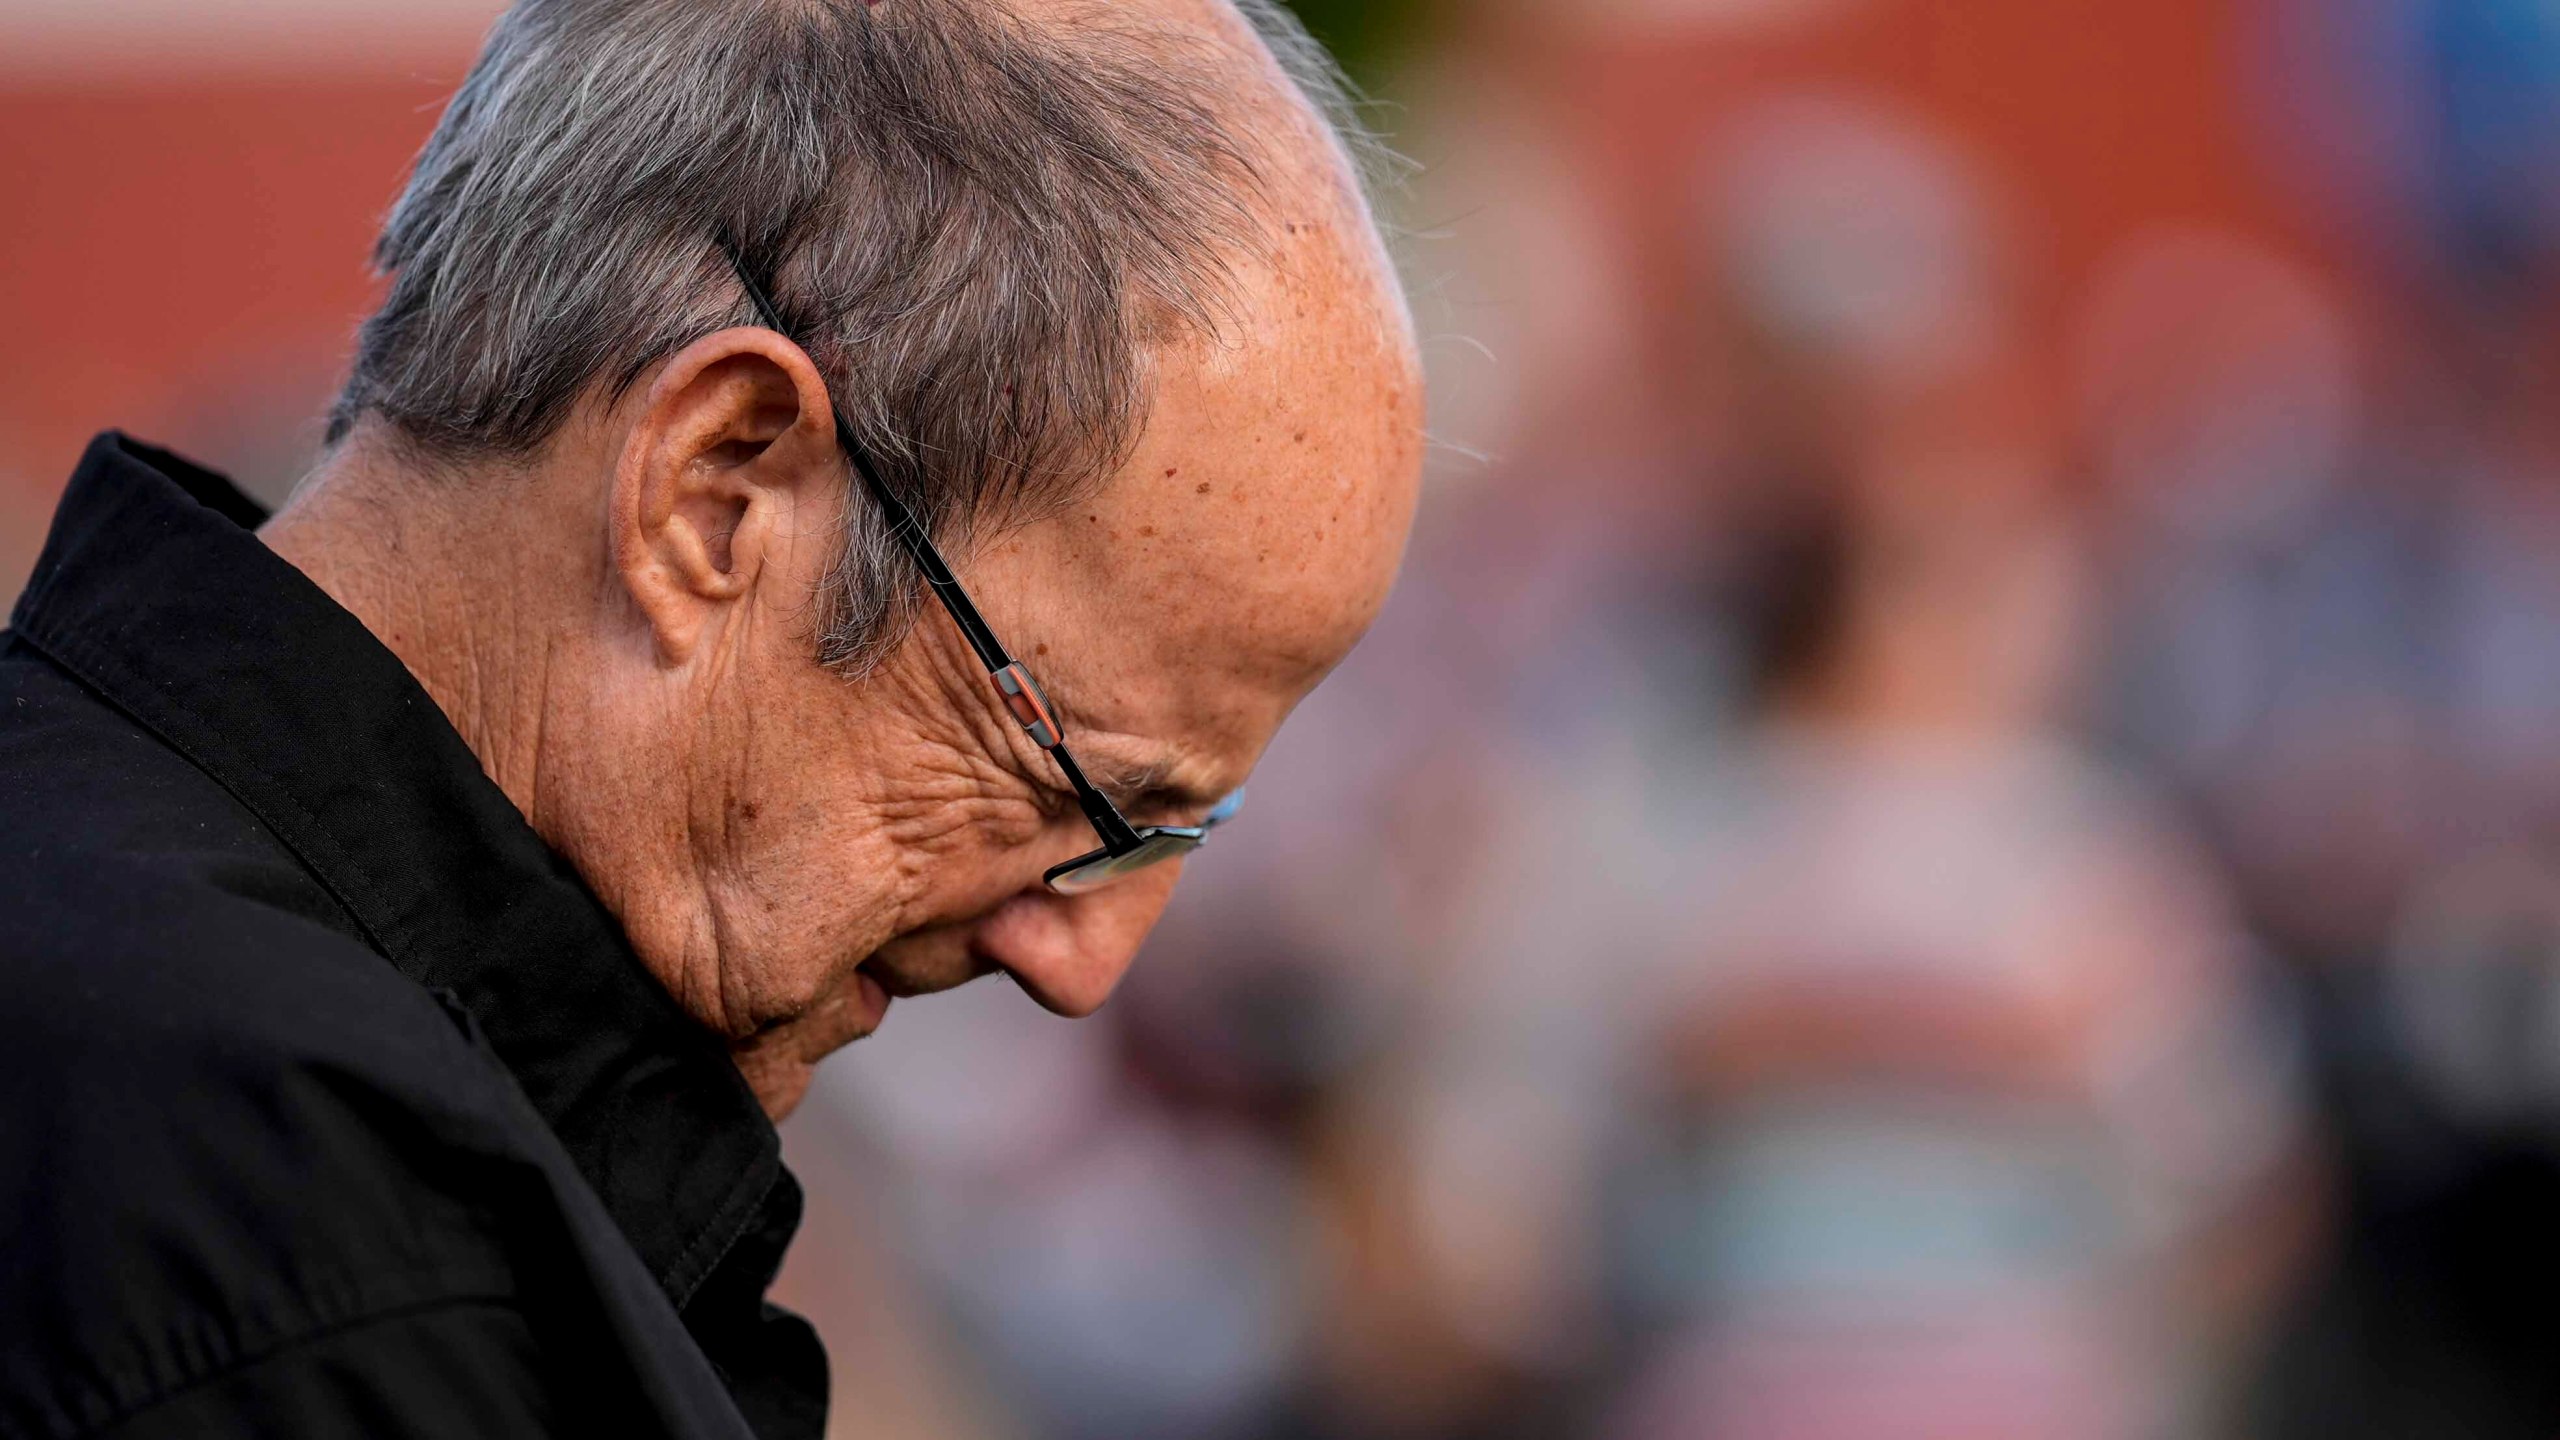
column 461, row 614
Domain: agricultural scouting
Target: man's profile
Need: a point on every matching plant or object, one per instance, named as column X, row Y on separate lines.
column 416, row 907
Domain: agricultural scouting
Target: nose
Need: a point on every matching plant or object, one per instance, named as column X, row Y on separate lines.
column 1069, row 952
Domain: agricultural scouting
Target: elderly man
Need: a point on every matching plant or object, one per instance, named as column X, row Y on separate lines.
column 416, row 908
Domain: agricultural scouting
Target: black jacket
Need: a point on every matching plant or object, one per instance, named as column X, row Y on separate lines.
column 331, row 1101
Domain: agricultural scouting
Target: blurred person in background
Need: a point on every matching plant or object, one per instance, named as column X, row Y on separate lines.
column 423, row 903
column 1954, row 1105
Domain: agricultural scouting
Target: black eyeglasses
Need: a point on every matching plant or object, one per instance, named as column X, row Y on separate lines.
column 1126, row 849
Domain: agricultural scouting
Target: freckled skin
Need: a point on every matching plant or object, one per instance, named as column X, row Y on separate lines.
column 621, row 630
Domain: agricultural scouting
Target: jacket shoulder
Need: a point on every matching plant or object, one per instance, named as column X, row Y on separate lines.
column 223, row 1129
column 83, row 783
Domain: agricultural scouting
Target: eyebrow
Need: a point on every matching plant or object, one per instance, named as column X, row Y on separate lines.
column 1137, row 782
column 1153, row 779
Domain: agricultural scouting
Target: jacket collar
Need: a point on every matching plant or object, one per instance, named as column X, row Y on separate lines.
column 154, row 590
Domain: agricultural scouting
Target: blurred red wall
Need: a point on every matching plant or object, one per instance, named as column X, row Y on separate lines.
column 180, row 242
column 179, row 254
column 2099, row 117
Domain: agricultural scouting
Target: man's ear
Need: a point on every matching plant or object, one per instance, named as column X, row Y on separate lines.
column 728, row 479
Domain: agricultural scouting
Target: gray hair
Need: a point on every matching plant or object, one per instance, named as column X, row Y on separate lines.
column 979, row 227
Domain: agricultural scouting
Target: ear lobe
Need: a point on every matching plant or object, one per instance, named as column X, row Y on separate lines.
column 730, row 459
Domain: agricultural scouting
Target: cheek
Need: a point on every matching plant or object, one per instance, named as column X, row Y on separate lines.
column 790, row 845
column 796, row 905
column 837, row 873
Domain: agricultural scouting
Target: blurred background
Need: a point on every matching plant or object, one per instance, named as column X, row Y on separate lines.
column 1953, row 835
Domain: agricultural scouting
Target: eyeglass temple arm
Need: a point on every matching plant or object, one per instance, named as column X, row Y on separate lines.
column 902, row 521
column 1022, row 694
